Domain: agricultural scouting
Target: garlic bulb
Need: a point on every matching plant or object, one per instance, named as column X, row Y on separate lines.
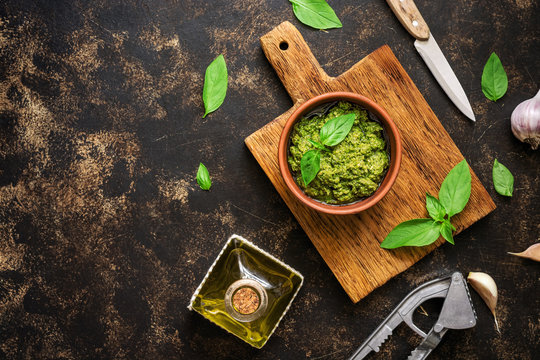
column 526, row 121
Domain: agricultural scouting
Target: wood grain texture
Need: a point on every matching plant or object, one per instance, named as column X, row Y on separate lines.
column 409, row 16
column 350, row 244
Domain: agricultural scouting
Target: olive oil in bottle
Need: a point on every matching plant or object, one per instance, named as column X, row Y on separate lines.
column 247, row 291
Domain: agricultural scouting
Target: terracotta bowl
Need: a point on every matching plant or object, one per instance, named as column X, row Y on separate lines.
column 393, row 138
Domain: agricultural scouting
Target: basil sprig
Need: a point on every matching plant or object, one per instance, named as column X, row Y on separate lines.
column 215, row 85
column 203, row 177
column 310, row 164
column 416, row 232
column 434, row 207
column 446, row 231
column 453, row 196
column 494, row 79
column 332, row 133
column 336, row 129
column 456, row 189
column 315, row 13
column 503, row 180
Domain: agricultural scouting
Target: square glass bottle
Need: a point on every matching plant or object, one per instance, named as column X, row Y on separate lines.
column 246, row 291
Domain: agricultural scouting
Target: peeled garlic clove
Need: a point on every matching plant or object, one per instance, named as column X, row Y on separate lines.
column 525, row 121
column 487, row 289
column 532, row 252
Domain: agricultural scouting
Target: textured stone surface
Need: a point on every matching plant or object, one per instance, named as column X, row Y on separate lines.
column 104, row 233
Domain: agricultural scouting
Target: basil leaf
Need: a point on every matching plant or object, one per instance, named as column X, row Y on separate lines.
column 494, row 79
column 317, row 145
column 446, row 231
column 203, row 177
column 417, row 232
column 456, row 189
column 315, row 13
column 435, row 208
column 215, row 85
column 336, row 129
column 503, row 180
column 310, row 164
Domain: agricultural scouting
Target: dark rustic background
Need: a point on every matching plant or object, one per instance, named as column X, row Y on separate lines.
column 104, row 233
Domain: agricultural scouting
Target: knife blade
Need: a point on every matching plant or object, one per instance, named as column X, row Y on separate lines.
column 409, row 16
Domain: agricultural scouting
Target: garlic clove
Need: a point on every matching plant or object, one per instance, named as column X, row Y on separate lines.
column 532, row 253
column 525, row 121
column 487, row 289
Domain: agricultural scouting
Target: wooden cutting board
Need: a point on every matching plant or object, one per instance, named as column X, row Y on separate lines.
column 350, row 244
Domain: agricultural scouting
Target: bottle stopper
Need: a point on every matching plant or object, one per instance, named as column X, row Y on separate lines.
column 246, row 300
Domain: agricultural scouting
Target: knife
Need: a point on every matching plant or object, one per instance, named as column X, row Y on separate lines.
column 409, row 16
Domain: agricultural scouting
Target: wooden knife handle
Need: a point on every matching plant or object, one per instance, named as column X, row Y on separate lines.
column 294, row 63
column 409, row 16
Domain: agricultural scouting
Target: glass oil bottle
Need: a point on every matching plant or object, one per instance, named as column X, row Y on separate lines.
column 246, row 291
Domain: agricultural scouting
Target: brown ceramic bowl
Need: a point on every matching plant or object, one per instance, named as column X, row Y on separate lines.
column 392, row 136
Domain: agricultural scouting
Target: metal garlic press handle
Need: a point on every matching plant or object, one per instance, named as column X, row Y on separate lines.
column 457, row 313
column 433, row 289
column 403, row 313
column 427, row 345
column 419, row 354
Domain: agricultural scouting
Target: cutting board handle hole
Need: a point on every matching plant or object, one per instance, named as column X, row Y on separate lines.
column 283, row 45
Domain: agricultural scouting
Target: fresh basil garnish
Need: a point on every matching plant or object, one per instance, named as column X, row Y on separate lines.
column 453, row 197
column 435, row 208
column 203, row 177
column 494, row 79
column 332, row 133
column 335, row 130
column 315, row 13
column 446, row 231
column 456, row 189
column 215, row 85
column 318, row 145
column 503, row 180
column 417, row 232
column 310, row 164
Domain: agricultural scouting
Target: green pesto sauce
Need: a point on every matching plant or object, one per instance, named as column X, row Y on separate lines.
column 351, row 170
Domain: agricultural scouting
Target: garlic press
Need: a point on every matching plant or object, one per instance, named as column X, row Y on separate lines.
column 457, row 313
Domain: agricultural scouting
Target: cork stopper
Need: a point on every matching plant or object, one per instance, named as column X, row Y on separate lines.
column 246, row 300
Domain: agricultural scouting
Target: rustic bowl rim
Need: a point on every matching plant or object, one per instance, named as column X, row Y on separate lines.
column 394, row 139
